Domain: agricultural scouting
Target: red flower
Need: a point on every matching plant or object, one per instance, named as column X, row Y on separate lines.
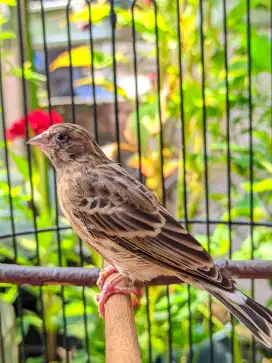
column 38, row 120
column 152, row 76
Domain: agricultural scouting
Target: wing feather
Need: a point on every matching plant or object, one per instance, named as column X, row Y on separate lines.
column 126, row 212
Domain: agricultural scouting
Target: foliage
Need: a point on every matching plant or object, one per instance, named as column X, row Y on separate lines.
column 8, row 34
column 43, row 248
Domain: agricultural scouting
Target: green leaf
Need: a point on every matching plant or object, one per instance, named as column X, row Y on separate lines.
column 261, row 52
column 96, row 12
column 267, row 165
column 237, row 68
column 144, row 20
column 31, row 319
column 8, row 2
column 76, row 308
column 28, row 243
column 7, row 252
column 21, row 163
column 3, row 20
column 263, row 136
column 258, row 187
column 237, row 14
column 242, row 209
column 10, row 294
column 220, row 241
column 35, row 360
column 7, row 35
column 53, row 309
column 28, row 73
column 149, row 125
column 262, row 246
column 44, row 221
column 264, row 251
column 206, row 312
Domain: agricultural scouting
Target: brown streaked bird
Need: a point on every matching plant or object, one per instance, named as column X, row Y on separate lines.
column 123, row 221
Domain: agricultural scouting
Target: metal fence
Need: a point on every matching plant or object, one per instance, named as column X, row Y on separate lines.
column 207, row 218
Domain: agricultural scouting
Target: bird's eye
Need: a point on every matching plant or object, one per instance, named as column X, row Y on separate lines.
column 61, row 137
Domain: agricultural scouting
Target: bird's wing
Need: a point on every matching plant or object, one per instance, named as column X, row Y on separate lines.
column 120, row 208
column 175, row 249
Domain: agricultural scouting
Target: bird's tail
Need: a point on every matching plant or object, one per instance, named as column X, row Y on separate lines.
column 253, row 315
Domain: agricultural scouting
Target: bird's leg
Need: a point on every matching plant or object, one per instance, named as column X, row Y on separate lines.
column 112, row 288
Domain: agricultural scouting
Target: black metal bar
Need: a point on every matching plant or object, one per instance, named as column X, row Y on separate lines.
column 71, row 73
column 114, row 70
column 206, row 176
column 184, row 171
column 226, row 66
column 148, row 325
column 55, row 183
column 136, row 91
column 96, row 133
column 232, row 222
column 25, row 111
column 46, row 58
column 162, row 162
column 251, row 218
column 10, row 198
column 31, row 231
column 140, row 175
column 70, row 63
column 85, row 308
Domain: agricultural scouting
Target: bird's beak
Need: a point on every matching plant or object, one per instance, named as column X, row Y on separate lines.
column 39, row 140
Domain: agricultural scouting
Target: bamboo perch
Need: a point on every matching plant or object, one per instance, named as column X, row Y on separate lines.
column 38, row 276
column 120, row 331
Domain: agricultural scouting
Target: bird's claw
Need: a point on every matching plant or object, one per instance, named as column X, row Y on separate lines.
column 112, row 288
column 104, row 274
column 109, row 289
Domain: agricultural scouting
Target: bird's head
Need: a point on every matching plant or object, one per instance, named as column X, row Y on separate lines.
column 69, row 143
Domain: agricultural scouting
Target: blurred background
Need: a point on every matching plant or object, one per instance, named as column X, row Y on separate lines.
column 179, row 92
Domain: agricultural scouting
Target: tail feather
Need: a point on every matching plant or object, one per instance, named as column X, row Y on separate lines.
column 253, row 315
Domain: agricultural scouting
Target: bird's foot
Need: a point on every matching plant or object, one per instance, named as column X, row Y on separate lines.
column 104, row 274
column 110, row 289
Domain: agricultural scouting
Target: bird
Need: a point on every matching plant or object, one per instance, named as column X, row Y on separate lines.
column 122, row 220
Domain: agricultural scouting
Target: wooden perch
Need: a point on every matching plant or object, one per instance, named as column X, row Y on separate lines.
column 38, row 276
column 120, row 331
